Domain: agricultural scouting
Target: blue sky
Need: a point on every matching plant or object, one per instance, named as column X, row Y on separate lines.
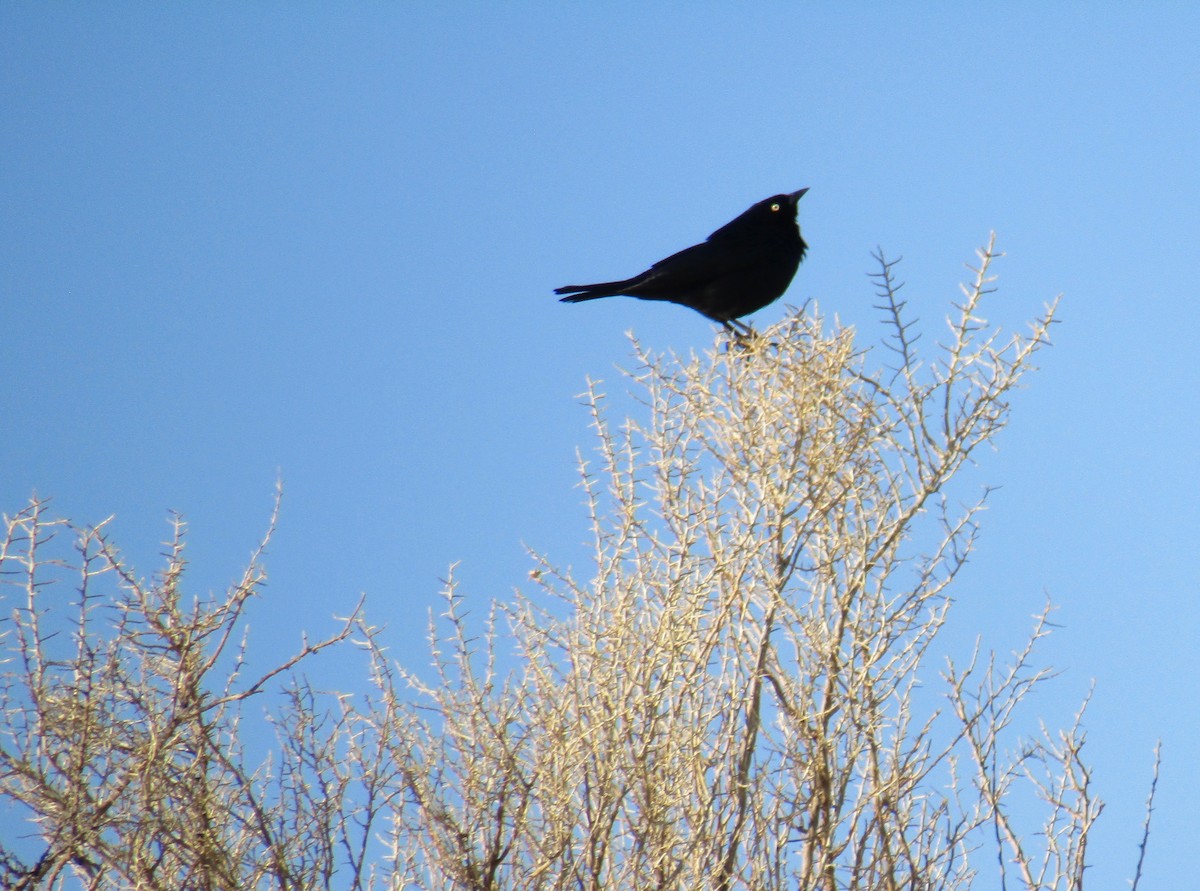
column 319, row 243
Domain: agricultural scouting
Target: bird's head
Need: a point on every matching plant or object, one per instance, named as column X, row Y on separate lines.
column 776, row 214
column 785, row 202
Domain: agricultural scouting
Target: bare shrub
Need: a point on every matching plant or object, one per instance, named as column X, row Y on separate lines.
column 741, row 691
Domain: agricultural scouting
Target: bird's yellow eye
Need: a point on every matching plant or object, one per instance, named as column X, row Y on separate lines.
column 774, row 207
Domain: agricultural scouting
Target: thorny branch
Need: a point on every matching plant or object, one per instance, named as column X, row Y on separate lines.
column 739, row 691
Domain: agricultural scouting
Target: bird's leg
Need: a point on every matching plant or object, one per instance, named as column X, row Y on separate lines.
column 741, row 335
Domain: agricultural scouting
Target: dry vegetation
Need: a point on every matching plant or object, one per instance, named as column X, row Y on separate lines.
column 740, row 692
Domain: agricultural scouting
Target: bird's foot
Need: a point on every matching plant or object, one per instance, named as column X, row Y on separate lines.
column 743, row 337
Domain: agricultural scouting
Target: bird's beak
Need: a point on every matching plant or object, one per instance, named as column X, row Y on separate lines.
column 796, row 196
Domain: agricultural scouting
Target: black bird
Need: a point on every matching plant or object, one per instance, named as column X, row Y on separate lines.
column 737, row 270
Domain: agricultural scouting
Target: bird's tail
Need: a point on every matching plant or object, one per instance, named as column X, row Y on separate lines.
column 579, row 293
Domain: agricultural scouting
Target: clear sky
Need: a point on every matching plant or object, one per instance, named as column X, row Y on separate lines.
column 249, row 241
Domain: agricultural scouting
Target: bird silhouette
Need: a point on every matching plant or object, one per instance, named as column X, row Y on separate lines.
column 743, row 266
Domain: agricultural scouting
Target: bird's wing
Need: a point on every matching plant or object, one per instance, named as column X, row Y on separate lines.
column 700, row 265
